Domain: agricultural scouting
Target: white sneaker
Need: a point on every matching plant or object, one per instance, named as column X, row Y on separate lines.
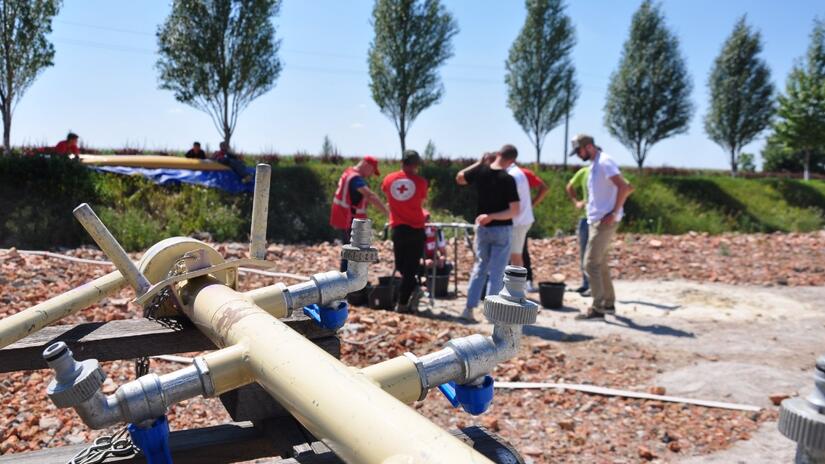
column 531, row 288
column 467, row 315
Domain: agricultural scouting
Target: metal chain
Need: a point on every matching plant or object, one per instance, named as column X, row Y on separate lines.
column 118, row 445
column 150, row 311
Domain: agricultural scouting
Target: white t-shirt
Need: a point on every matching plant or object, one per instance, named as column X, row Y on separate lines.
column 600, row 189
column 525, row 215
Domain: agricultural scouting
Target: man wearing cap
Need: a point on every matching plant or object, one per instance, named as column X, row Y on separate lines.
column 352, row 196
column 498, row 204
column 607, row 191
column 406, row 192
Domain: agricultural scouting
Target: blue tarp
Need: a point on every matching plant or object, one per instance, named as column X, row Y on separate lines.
column 224, row 180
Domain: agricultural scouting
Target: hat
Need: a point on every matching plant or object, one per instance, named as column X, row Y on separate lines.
column 410, row 157
column 581, row 140
column 372, row 161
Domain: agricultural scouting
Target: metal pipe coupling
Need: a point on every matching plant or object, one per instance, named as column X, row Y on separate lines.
column 468, row 359
column 77, row 385
column 325, row 287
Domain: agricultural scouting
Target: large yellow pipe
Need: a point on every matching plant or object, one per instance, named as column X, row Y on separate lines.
column 398, row 377
column 359, row 421
column 20, row 325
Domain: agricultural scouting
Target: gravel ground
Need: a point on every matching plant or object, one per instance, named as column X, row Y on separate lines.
column 677, row 333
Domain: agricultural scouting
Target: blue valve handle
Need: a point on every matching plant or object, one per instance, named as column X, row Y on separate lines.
column 326, row 317
column 474, row 399
column 153, row 441
column 448, row 389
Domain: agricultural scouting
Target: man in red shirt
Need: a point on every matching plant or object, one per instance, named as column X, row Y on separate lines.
column 406, row 192
column 69, row 146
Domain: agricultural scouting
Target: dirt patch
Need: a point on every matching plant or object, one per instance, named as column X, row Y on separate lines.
column 732, row 342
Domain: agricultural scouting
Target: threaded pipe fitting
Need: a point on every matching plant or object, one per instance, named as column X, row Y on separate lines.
column 74, row 382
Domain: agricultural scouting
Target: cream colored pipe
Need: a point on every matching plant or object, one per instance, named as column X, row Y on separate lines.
column 106, row 241
column 260, row 210
column 397, row 376
column 20, row 325
column 360, row 422
column 271, row 299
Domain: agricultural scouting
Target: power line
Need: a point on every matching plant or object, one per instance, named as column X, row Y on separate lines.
column 103, row 28
column 103, row 46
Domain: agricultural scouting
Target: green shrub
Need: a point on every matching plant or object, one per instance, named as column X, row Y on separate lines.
column 37, row 196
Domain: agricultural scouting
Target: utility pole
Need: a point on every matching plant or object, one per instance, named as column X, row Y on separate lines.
column 566, row 123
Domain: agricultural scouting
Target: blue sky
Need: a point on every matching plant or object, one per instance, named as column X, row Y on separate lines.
column 104, row 84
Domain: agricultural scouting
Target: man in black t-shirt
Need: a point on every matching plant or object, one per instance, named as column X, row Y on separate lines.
column 196, row 152
column 498, row 204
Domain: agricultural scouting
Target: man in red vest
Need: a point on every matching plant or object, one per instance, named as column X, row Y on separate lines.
column 406, row 192
column 352, row 196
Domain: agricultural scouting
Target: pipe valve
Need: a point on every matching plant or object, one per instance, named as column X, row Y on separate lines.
column 74, row 382
column 803, row 420
column 473, row 398
column 511, row 306
column 332, row 318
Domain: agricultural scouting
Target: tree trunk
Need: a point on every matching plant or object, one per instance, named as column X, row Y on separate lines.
column 6, row 132
column 807, row 174
column 566, row 149
column 640, row 161
column 733, row 166
column 227, row 131
column 227, row 135
column 402, row 133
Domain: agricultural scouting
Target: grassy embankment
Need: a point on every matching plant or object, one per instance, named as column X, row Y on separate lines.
column 37, row 196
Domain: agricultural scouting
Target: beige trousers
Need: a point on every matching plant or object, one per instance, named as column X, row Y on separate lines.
column 595, row 264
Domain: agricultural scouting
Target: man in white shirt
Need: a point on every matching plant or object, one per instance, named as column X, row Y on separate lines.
column 526, row 180
column 607, row 191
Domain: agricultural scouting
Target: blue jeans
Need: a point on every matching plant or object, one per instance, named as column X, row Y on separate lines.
column 492, row 246
column 584, row 232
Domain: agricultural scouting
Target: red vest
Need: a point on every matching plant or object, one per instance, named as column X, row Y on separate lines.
column 433, row 240
column 341, row 215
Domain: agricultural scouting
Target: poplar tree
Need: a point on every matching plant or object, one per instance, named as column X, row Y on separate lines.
column 540, row 73
column 413, row 38
column 219, row 55
column 648, row 99
column 800, row 126
column 741, row 93
column 26, row 52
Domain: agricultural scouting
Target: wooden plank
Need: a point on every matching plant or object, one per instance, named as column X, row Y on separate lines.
column 227, row 443
column 124, row 339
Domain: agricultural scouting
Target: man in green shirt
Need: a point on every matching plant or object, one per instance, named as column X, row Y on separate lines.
column 579, row 182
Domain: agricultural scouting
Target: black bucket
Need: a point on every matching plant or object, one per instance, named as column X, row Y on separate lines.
column 382, row 297
column 442, row 283
column 551, row 294
column 360, row 297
